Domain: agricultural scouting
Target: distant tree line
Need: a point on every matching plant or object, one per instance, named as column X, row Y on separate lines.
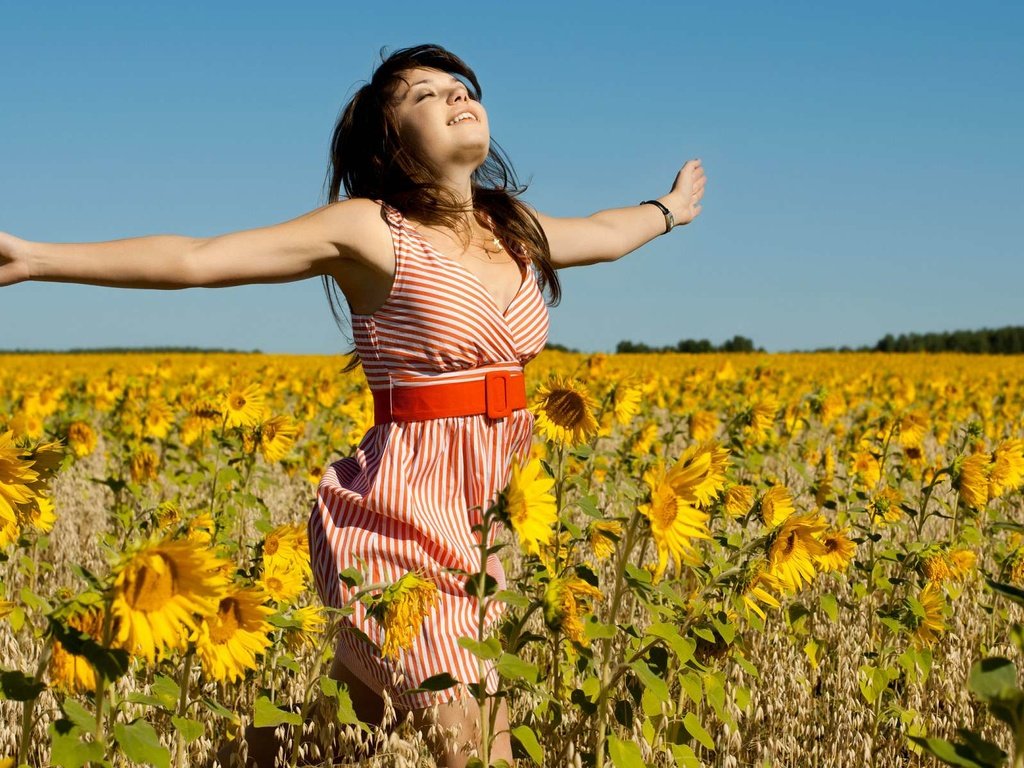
column 988, row 341
column 735, row 344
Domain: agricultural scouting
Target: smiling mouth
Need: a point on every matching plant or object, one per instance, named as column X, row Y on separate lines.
column 469, row 118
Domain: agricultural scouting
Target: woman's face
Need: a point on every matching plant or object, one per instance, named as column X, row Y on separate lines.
column 425, row 106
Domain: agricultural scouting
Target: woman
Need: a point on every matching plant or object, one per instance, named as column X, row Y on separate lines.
column 442, row 270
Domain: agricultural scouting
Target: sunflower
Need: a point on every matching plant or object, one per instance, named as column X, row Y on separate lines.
column 276, row 436
column 776, row 505
column 912, row 428
column 644, row 439
column 603, row 534
column 761, row 414
column 157, row 419
column 794, row 548
column 81, row 438
column 703, row 425
column 282, row 581
column 401, row 610
column 1007, row 467
column 311, row 621
column 971, row 478
column 228, row 641
column 565, row 411
column 566, row 599
column 962, row 563
column 144, row 464
column 16, row 478
column 244, row 406
column 531, row 509
column 738, row 500
column 926, row 615
column 699, row 474
column 287, row 547
column 756, row 583
column 68, row 671
column 157, row 591
column 867, row 468
column 935, row 566
column 626, row 403
column 674, row 522
column 884, row 506
column 839, row 550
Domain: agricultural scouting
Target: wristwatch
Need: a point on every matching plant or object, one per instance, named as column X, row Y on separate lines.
column 670, row 220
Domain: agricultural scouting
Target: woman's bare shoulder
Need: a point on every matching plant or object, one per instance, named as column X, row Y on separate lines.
column 359, row 228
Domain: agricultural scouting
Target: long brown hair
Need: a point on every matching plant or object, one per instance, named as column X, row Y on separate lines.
column 368, row 158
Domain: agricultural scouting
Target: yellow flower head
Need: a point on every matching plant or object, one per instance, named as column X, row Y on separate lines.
column 71, row 673
column 401, row 610
column 602, row 535
column 935, row 566
column 566, row 600
column 281, row 580
column 159, row 589
column 564, row 411
column 1007, row 467
column 228, row 641
column 144, row 464
column 757, row 582
column 699, row 475
column 530, row 507
column 287, row 548
column 962, row 563
column 971, row 478
column 276, row 437
column 884, row 506
column 912, row 428
column 738, row 500
column 244, row 406
column 627, row 403
column 16, row 478
column 674, row 522
column 928, row 615
column 703, row 425
column 81, row 438
column 794, row 548
column 839, row 550
column 776, row 505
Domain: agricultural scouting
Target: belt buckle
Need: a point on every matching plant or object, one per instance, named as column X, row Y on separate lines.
column 496, row 394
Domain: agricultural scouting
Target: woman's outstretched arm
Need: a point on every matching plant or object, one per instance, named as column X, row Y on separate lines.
column 293, row 250
column 611, row 234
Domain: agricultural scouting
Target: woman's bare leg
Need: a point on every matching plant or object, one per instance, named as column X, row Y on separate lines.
column 462, row 719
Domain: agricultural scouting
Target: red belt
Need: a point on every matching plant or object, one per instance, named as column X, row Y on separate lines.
column 497, row 394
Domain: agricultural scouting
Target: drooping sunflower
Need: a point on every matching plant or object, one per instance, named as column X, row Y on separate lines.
column 776, row 505
column 228, row 641
column 757, row 582
column 244, row 406
column 311, row 622
column 962, row 563
column 531, row 509
column 69, row 672
column 738, row 500
column 761, row 414
column 971, row 478
column 564, row 411
column 794, row 548
column 603, row 534
column 159, row 589
column 566, row 600
column 839, row 550
column 1007, row 467
column 927, row 614
column 703, row 425
column 699, row 474
column 401, row 610
column 674, row 522
column 81, row 438
column 144, row 464
column 912, row 428
column 935, row 566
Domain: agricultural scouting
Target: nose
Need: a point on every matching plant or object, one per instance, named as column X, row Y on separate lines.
column 459, row 94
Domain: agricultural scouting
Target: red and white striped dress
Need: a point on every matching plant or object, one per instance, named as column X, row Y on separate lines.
column 410, row 495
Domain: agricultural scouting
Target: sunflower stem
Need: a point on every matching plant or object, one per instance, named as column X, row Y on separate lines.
column 29, row 706
column 183, row 684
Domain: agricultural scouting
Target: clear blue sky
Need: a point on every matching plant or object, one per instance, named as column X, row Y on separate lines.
column 864, row 160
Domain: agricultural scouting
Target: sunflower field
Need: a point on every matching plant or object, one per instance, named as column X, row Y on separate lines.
column 711, row 560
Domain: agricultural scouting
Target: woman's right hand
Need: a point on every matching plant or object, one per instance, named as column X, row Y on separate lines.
column 13, row 260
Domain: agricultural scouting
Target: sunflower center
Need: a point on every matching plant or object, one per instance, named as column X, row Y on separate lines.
column 787, row 548
column 153, row 584
column 229, row 620
column 831, row 545
column 565, row 408
column 271, row 545
column 274, row 584
column 665, row 509
column 237, row 402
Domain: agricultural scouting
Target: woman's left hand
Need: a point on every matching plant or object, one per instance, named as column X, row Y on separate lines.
column 687, row 191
